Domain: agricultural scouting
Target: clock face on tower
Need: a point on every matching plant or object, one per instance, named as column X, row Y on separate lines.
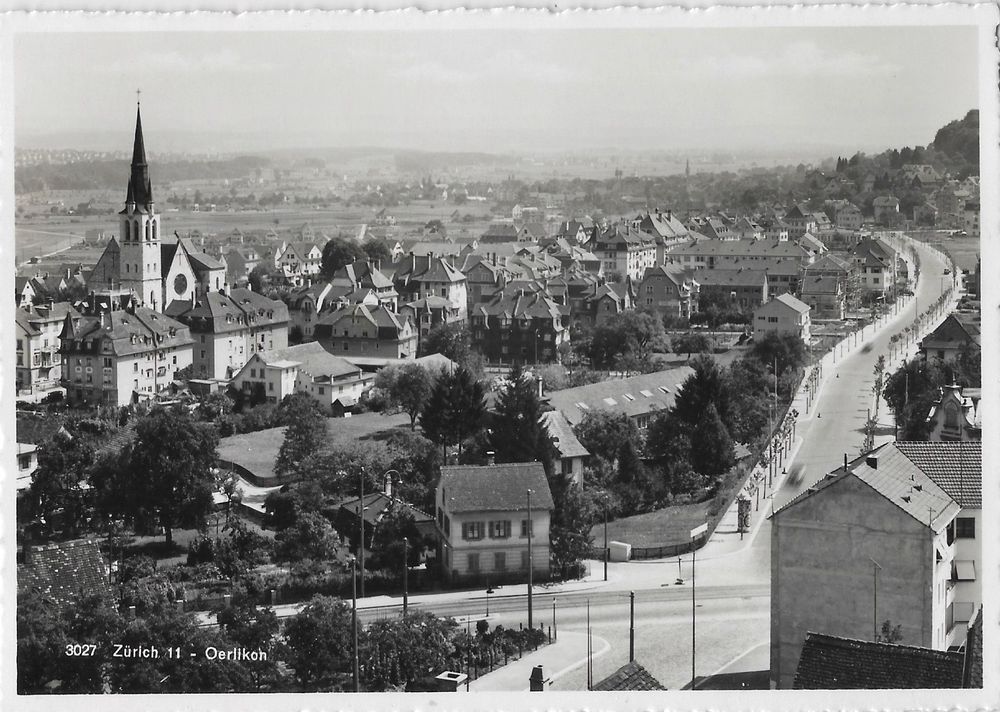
column 180, row 284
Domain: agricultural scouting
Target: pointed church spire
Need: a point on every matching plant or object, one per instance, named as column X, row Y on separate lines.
column 140, row 190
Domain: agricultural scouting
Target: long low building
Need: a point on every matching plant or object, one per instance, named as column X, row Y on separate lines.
column 638, row 397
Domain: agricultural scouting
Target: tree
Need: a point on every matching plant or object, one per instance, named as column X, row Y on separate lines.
column 630, row 468
column 57, row 485
column 254, row 628
column 787, row 350
column 304, row 434
column 569, row 534
column 746, row 383
column 630, row 338
column 711, row 445
column 603, row 433
column 339, row 252
column 705, row 386
column 175, row 456
column 451, row 340
column 318, row 644
column 311, row 536
column 397, row 651
column 889, row 633
column 688, row 344
column 376, row 250
column 407, row 387
column 455, row 409
column 518, row 432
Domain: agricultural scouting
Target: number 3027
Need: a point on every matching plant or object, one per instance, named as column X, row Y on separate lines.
column 81, row 649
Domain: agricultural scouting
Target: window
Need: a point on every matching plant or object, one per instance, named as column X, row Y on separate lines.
column 253, row 373
column 500, row 529
column 965, row 528
column 500, row 561
column 474, row 563
column 472, row 530
column 525, row 529
column 270, row 386
column 963, row 571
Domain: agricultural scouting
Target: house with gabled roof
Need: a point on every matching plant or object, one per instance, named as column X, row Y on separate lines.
column 482, row 514
column 890, row 519
column 520, row 325
column 431, row 275
column 333, row 382
column 228, row 328
column 799, row 220
column 825, row 295
column 361, row 330
column 63, row 572
column 668, row 290
column 38, row 364
column 571, row 455
column 784, row 314
column 956, row 415
column 743, row 287
column 957, row 333
column 625, row 250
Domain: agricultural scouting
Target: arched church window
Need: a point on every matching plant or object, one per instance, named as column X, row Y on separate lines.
column 155, row 226
column 147, row 232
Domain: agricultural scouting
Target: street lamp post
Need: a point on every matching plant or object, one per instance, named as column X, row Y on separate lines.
column 361, row 543
column 695, row 533
column 530, row 562
column 875, row 570
column 555, row 630
column 605, row 537
column 406, row 566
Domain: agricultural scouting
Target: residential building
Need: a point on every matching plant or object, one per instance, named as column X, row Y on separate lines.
column 27, row 463
column 970, row 218
column 571, row 455
column 879, row 521
column 737, row 253
column 353, row 282
column 430, row 312
column 116, row 351
column 886, row 209
column 668, row 290
column 26, row 291
column 813, row 244
column 956, row 415
column 575, row 231
column 499, row 232
column 957, row 333
column 875, row 263
column 360, row 330
column 300, row 262
column 334, row 383
column 799, row 221
column 625, row 251
column 38, row 367
column 431, row 275
column 744, row 288
column 665, row 228
column 239, row 262
column 228, row 329
column 605, row 302
column 484, row 276
column 484, row 523
column 825, row 296
column 520, row 327
column 783, row 315
column 848, row 217
column 640, row 398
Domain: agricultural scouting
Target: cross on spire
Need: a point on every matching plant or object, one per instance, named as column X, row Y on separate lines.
column 137, row 93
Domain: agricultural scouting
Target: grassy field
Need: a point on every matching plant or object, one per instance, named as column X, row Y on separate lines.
column 257, row 451
column 664, row 527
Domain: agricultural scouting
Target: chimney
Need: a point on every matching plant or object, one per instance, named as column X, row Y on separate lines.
column 537, row 681
column 670, row 213
column 872, row 461
column 491, row 457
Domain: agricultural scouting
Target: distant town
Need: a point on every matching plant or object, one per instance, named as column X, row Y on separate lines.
column 393, row 421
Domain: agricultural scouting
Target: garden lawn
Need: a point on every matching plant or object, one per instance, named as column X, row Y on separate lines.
column 257, row 451
column 664, row 527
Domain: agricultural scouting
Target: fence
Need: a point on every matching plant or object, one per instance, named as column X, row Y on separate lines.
column 666, row 552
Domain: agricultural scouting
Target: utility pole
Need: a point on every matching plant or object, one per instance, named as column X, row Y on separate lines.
column 875, row 570
column 530, row 562
column 605, row 537
column 631, row 626
column 555, row 629
column 354, row 622
column 695, row 533
column 361, row 545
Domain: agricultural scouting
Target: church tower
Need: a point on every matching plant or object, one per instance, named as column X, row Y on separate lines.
column 140, row 231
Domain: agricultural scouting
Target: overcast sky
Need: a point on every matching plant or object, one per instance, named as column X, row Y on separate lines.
column 499, row 90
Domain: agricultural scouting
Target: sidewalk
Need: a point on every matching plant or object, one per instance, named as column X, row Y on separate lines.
column 560, row 657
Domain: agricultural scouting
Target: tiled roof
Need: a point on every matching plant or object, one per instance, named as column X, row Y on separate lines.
column 637, row 395
column 495, row 488
column 956, row 329
column 899, row 480
column 741, row 277
column 741, row 248
column 829, row 662
column 63, row 571
column 956, row 467
column 562, row 433
column 631, row 676
column 972, row 675
column 830, row 262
